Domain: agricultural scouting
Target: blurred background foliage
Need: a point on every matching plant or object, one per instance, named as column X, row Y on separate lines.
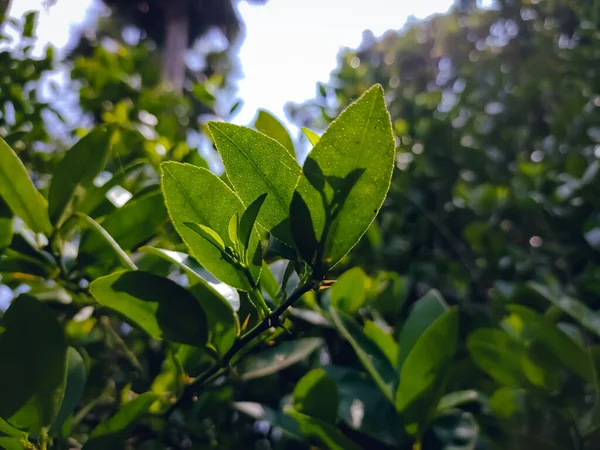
column 496, row 112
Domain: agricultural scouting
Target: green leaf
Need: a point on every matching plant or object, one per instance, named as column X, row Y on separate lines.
column 20, row 194
column 76, row 379
column 33, row 351
column 256, row 164
column 274, row 359
column 370, row 355
column 232, row 229
column 131, row 225
column 268, row 283
column 111, row 433
column 364, row 408
column 570, row 354
column 311, row 135
column 497, row 354
column 347, row 175
column 209, row 234
column 426, row 365
column 577, row 310
column 13, row 443
column 316, row 395
column 423, row 313
column 268, row 124
column 384, row 341
column 248, row 220
column 108, row 240
column 75, row 173
column 195, row 195
column 349, row 291
column 218, row 301
column 324, row 433
column 157, row 305
column 6, row 225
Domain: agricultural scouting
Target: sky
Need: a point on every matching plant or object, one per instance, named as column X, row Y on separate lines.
column 290, row 45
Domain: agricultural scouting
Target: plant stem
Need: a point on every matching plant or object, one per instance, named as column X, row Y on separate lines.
column 270, row 320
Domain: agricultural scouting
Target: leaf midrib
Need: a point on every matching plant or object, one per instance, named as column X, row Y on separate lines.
column 277, row 195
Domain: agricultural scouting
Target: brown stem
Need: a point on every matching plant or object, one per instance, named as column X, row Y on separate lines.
column 177, row 24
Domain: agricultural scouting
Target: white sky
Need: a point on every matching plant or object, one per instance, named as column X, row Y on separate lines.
column 289, row 45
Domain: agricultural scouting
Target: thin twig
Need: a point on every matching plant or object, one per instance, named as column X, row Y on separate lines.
column 270, row 320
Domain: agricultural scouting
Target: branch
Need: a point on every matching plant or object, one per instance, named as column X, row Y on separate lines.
column 270, row 320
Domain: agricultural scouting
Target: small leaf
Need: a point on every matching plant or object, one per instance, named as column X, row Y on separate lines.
column 76, row 379
column 33, row 346
column 576, row 309
column 249, row 218
column 268, row 124
column 347, row 175
column 207, row 233
column 20, row 194
column 370, row 355
column 75, row 173
column 349, row 291
column 302, row 229
column 6, row 225
column 324, row 433
column 274, row 359
column 256, row 164
column 232, row 229
column 157, row 305
column 196, row 195
column 423, row 313
column 112, row 432
column 311, row 135
column 316, row 395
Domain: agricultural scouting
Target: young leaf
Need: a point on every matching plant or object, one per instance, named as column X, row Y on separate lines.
column 311, row 135
column 76, row 378
column 268, row 124
column 157, row 305
column 423, row 313
column 111, row 433
column 33, row 351
column 370, row 355
column 207, row 233
column 256, row 164
column 232, row 229
column 20, row 194
column 274, row 359
column 75, row 173
column 316, row 395
column 196, row 195
column 347, row 175
column 248, row 219
column 426, row 365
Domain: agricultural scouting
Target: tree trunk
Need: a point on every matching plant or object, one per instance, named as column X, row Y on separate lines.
column 177, row 23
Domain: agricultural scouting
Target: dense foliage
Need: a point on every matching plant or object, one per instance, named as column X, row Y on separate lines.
column 156, row 305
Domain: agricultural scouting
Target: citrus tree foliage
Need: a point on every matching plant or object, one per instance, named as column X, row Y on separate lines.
column 494, row 202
